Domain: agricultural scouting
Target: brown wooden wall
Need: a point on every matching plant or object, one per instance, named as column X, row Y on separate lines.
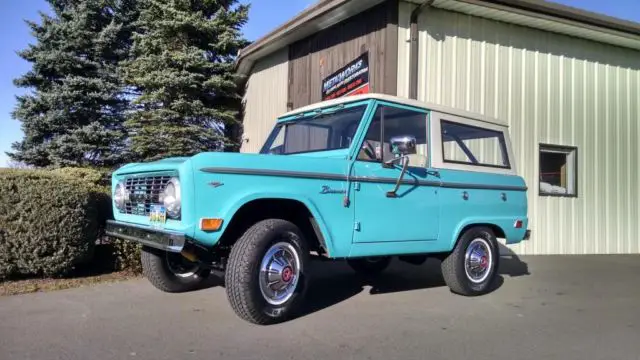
column 317, row 56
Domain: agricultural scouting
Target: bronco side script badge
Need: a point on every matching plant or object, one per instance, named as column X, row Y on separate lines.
column 328, row 190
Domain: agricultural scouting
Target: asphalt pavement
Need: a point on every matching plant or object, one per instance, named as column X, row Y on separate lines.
column 551, row 307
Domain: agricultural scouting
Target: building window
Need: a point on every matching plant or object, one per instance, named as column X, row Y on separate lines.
column 558, row 170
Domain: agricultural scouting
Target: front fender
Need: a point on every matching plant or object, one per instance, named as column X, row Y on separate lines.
column 236, row 202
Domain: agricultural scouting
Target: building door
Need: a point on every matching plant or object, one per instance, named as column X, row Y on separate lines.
column 413, row 214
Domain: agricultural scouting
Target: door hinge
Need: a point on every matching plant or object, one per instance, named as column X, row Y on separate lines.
column 356, row 186
column 356, row 226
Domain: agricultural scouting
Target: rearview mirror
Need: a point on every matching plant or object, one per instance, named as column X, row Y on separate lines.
column 403, row 145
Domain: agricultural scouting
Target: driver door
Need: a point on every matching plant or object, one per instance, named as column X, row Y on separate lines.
column 413, row 215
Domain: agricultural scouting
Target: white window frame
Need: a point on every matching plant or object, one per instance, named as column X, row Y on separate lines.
column 572, row 161
column 437, row 160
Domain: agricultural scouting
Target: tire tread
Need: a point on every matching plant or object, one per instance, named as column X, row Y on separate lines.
column 154, row 269
column 453, row 273
column 238, row 274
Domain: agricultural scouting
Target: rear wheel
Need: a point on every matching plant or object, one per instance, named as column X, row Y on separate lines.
column 369, row 265
column 266, row 276
column 471, row 268
column 171, row 272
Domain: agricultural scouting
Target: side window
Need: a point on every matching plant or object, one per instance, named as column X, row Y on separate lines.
column 466, row 144
column 397, row 122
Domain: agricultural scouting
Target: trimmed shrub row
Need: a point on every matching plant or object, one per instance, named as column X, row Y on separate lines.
column 50, row 222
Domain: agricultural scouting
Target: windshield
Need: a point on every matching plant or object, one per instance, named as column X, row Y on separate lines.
column 320, row 132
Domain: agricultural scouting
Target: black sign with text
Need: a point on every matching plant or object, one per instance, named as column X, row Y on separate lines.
column 351, row 79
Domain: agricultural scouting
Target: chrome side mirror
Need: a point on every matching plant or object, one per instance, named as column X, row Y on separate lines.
column 403, row 145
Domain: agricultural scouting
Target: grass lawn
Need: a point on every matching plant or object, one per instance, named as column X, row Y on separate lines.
column 101, row 269
column 15, row 287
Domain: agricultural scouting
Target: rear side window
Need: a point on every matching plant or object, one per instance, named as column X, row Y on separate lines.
column 471, row 145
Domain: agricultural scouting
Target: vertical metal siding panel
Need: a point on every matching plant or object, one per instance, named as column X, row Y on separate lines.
column 591, row 152
column 567, row 120
column 404, row 48
column 601, row 239
column 578, row 120
column 617, row 139
column 634, row 161
column 461, row 60
column 265, row 98
column 572, row 102
column 635, row 118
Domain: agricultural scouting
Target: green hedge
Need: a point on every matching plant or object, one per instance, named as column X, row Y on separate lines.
column 117, row 254
column 126, row 255
column 97, row 177
column 49, row 223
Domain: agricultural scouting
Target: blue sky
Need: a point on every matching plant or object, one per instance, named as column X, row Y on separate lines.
column 264, row 16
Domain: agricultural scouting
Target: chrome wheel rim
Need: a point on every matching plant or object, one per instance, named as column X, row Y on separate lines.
column 181, row 267
column 478, row 260
column 279, row 273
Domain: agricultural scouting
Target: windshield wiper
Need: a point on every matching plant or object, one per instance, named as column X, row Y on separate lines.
column 322, row 112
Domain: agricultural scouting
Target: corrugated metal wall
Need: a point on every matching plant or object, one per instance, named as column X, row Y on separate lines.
column 265, row 98
column 551, row 89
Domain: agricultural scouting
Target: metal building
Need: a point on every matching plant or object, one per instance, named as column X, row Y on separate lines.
column 567, row 81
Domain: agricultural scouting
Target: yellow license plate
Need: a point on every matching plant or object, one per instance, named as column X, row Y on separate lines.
column 158, row 215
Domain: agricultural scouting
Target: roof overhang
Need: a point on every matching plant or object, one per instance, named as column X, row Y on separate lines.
column 538, row 14
column 551, row 17
column 319, row 16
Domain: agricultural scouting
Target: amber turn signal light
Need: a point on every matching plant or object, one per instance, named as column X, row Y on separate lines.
column 210, row 224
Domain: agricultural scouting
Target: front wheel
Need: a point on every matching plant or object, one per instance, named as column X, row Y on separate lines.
column 471, row 268
column 171, row 272
column 266, row 276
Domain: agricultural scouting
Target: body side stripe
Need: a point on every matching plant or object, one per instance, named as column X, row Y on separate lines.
column 337, row 177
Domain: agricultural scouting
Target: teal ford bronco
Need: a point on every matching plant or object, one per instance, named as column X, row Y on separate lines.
column 363, row 178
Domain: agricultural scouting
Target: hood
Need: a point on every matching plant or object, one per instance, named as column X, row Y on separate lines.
column 172, row 163
column 311, row 162
column 246, row 161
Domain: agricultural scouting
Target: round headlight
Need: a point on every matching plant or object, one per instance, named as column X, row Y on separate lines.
column 171, row 198
column 120, row 196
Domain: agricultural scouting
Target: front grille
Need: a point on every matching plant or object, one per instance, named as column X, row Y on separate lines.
column 144, row 191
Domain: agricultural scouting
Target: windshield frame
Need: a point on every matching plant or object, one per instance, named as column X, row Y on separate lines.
column 303, row 116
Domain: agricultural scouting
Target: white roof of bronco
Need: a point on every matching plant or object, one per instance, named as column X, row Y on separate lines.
column 398, row 100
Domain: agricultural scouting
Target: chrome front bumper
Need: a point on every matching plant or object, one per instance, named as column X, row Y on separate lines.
column 157, row 238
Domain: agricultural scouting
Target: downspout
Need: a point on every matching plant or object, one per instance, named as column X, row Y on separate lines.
column 413, row 52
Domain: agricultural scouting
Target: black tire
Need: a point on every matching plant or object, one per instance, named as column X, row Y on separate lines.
column 453, row 266
column 156, row 268
column 369, row 266
column 242, row 276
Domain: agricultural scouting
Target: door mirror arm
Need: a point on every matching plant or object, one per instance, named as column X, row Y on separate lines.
column 405, row 164
column 402, row 147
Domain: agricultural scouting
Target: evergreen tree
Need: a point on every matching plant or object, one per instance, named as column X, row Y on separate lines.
column 182, row 66
column 74, row 116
